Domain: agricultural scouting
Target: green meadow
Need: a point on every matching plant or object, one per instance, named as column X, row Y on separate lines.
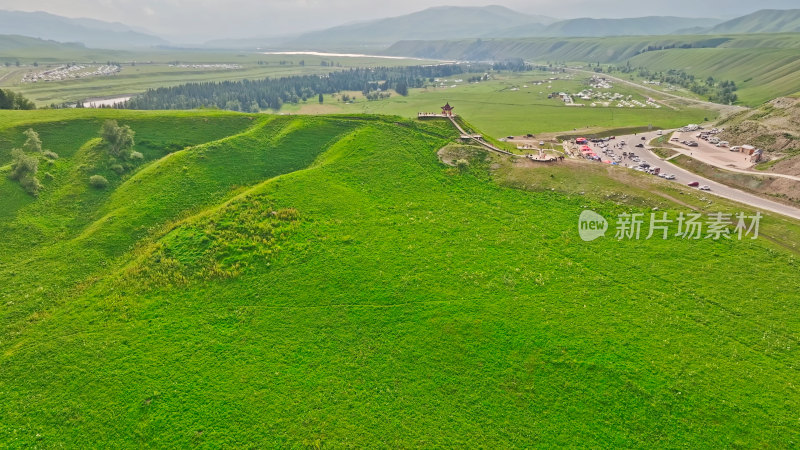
column 504, row 106
column 326, row 281
column 149, row 70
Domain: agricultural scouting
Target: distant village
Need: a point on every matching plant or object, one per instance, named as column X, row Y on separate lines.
column 602, row 98
column 78, row 71
column 70, row 71
column 208, row 66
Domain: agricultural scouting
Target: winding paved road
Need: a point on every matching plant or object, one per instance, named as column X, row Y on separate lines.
column 685, row 177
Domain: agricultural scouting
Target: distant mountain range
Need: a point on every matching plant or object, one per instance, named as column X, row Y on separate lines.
column 89, row 32
column 453, row 23
column 12, row 43
column 636, row 26
column 444, row 22
column 433, row 24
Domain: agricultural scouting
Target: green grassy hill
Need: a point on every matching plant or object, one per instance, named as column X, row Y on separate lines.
column 764, row 66
column 15, row 48
column 630, row 26
column 612, row 49
column 326, row 281
column 763, row 21
column 760, row 74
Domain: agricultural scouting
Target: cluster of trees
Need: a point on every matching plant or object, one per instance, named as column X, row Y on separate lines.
column 512, row 65
column 478, row 78
column 25, row 162
column 273, row 93
column 711, row 42
column 377, row 95
column 118, row 141
column 718, row 91
column 12, row 100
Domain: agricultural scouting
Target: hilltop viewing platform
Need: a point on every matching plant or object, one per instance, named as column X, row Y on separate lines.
column 425, row 115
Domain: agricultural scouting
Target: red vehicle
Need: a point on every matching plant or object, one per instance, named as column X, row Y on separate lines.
column 694, row 184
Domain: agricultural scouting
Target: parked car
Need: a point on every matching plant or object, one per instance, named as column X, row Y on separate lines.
column 694, row 184
column 640, row 145
column 644, row 138
column 705, row 187
column 674, row 139
column 670, row 177
column 692, row 144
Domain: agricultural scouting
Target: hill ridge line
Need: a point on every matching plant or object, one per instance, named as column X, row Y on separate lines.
column 140, row 252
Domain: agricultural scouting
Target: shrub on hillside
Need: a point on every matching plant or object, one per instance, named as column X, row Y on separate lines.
column 136, row 156
column 32, row 142
column 119, row 139
column 22, row 164
column 118, row 169
column 287, row 214
column 50, row 155
column 31, row 185
column 98, row 181
column 23, row 169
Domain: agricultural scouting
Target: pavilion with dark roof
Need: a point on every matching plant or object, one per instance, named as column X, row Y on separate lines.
column 447, row 110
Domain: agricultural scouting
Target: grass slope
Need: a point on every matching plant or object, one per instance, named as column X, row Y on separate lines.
column 318, row 281
column 761, row 74
column 605, row 49
column 512, row 104
column 763, row 21
column 764, row 66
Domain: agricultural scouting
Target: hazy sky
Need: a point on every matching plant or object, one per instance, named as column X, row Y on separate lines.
column 199, row 20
